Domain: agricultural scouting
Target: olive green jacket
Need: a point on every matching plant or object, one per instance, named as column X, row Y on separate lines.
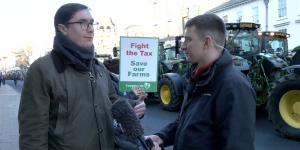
column 68, row 110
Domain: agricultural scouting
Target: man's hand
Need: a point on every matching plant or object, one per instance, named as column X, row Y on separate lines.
column 138, row 91
column 156, row 139
column 140, row 107
column 156, row 146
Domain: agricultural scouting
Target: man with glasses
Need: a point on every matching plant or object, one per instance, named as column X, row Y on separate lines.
column 67, row 95
column 218, row 110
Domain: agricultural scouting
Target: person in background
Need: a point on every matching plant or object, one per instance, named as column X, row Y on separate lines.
column 16, row 77
column 124, row 142
column 1, row 78
column 112, row 65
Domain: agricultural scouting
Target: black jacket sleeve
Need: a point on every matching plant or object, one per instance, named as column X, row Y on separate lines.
column 131, row 95
column 168, row 133
column 235, row 115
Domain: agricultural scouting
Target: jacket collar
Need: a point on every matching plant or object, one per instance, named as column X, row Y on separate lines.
column 223, row 62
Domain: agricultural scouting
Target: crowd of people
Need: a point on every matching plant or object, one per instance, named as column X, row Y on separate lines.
column 67, row 95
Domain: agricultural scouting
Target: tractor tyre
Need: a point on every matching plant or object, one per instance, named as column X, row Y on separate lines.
column 274, row 76
column 284, row 106
column 168, row 98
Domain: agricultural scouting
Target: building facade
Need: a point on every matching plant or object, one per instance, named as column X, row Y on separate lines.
column 105, row 37
column 283, row 15
column 135, row 31
column 170, row 16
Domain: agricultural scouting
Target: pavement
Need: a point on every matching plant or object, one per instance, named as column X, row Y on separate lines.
column 9, row 128
column 266, row 138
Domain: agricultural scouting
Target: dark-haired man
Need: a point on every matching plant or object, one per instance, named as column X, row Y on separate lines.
column 67, row 95
column 218, row 111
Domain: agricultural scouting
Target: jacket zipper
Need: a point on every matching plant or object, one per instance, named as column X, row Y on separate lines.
column 92, row 78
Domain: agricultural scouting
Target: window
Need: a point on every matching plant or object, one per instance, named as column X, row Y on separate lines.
column 281, row 8
column 225, row 19
column 298, row 7
column 283, row 30
column 239, row 16
column 255, row 14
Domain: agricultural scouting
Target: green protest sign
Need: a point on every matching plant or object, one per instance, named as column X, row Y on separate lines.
column 138, row 63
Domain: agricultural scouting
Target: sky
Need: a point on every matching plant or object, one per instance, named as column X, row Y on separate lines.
column 30, row 22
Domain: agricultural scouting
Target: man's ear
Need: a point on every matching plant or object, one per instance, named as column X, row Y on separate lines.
column 62, row 29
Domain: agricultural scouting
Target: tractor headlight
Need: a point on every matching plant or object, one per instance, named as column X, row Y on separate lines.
column 279, row 61
column 238, row 63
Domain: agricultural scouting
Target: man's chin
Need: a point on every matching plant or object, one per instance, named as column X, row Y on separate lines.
column 189, row 60
column 88, row 46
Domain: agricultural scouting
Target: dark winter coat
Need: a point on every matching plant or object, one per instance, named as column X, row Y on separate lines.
column 129, row 95
column 124, row 142
column 218, row 113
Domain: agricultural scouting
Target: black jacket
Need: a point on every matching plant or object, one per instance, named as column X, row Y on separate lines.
column 218, row 113
column 129, row 95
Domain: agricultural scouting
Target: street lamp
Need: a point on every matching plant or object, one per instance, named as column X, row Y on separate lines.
column 266, row 3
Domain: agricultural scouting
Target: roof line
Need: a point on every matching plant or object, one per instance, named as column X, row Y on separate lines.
column 229, row 7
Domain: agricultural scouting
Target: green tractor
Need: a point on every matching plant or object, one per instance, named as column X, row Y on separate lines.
column 275, row 43
column 284, row 100
column 243, row 43
column 172, row 66
column 103, row 57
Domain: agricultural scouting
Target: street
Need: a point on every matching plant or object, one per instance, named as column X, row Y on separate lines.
column 17, row 88
column 155, row 119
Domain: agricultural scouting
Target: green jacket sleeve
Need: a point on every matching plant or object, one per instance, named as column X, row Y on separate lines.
column 34, row 110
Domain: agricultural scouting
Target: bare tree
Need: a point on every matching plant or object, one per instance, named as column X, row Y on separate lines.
column 23, row 56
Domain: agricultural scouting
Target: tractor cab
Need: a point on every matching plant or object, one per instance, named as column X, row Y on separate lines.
column 161, row 52
column 243, row 44
column 174, row 56
column 103, row 57
column 275, row 43
column 242, row 39
column 172, row 49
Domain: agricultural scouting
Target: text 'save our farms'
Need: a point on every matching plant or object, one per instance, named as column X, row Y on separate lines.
column 138, row 63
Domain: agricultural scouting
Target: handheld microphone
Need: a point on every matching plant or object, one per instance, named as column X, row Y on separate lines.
column 131, row 126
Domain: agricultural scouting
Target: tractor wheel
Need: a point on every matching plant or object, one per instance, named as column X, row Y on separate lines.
column 274, row 76
column 167, row 95
column 284, row 106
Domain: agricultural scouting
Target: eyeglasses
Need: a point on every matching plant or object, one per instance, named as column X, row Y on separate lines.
column 85, row 24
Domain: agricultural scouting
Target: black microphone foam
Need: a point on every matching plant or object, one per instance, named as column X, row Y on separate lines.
column 124, row 114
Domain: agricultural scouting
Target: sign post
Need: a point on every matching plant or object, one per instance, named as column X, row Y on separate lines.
column 138, row 63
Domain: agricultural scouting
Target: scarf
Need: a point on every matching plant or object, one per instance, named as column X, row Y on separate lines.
column 198, row 71
column 81, row 57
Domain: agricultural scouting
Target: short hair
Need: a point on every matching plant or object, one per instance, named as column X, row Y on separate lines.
column 65, row 13
column 112, row 65
column 211, row 25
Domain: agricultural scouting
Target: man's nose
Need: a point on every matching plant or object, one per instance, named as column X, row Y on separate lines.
column 183, row 46
column 90, row 28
